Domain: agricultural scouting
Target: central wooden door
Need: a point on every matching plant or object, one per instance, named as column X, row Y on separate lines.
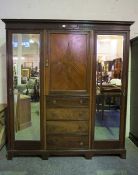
column 67, row 91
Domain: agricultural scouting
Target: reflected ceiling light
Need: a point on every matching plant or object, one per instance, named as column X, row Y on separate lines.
column 31, row 41
column 63, row 25
column 15, row 58
column 106, row 40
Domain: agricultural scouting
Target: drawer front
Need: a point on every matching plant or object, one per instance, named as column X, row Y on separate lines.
column 67, row 142
column 67, row 114
column 67, row 127
column 67, row 101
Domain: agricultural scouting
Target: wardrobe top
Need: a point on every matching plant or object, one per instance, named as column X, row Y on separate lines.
column 67, row 21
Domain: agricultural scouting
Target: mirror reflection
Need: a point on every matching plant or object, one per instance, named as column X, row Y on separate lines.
column 26, row 80
column 108, row 86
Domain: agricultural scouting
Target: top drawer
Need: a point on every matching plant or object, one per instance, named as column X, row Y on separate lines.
column 67, row 101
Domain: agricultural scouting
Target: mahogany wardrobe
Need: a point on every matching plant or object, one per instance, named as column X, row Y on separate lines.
column 66, row 87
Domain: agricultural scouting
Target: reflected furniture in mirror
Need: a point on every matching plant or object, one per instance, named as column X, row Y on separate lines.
column 109, row 86
column 23, row 112
column 72, row 101
column 108, row 95
column 25, row 74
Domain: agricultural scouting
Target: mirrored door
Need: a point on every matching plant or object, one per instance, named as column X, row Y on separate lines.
column 109, row 66
column 26, row 85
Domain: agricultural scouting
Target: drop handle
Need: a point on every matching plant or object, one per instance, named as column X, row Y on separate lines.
column 81, row 143
column 54, row 101
column 46, row 63
column 81, row 101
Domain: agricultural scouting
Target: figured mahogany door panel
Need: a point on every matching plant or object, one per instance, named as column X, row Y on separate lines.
column 68, row 57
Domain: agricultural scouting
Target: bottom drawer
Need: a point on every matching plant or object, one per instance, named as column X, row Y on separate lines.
column 67, row 142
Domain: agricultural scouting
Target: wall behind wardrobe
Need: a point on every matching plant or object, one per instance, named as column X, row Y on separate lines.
column 65, row 9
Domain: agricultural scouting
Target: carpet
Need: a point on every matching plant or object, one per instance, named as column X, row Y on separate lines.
column 13, row 173
column 98, row 165
column 112, row 172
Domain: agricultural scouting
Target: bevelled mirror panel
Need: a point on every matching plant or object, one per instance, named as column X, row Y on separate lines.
column 26, row 84
column 109, row 61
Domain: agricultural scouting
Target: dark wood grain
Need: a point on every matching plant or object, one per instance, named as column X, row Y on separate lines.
column 67, row 101
column 67, row 114
column 67, row 142
column 68, row 61
column 133, row 135
column 67, row 127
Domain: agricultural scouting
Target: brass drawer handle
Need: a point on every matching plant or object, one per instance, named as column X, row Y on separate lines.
column 80, row 114
column 81, row 101
column 46, row 63
column 54, row 101
column 81, row 143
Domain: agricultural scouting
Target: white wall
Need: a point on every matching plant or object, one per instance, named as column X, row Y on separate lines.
column 65, row 9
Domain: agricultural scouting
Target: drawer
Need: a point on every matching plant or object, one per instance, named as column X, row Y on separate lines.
column 67, row 101
column 67, row 142
column 67, row 114
column 67, row 127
